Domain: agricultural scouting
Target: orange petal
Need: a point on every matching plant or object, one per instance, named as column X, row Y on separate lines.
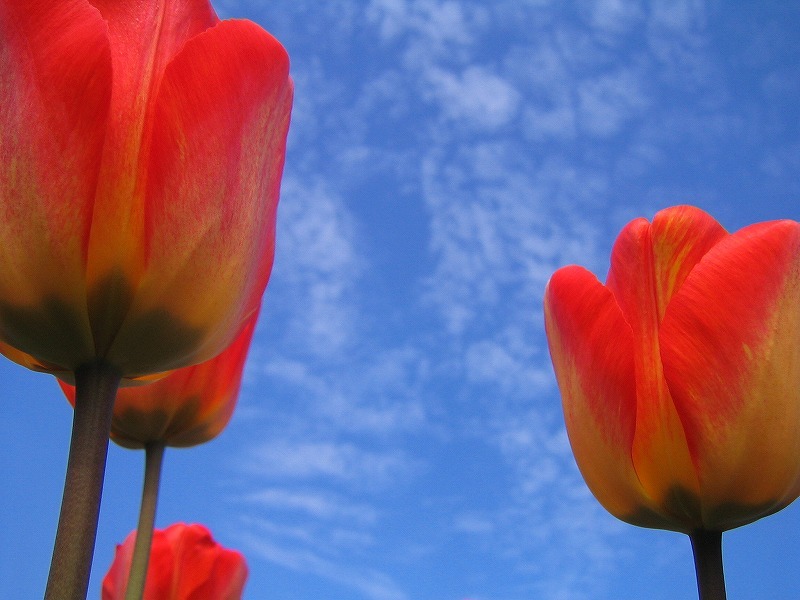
column 220, row 125
column 592, row 350
column 189, row 406
column 55, row 82
column 144, row 38
column 731, row 350
column 205, row 569
column 660, row 452
column 681, row 236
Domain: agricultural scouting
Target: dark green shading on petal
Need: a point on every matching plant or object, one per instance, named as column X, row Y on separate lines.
column 52, row 332
column 138, row 345
column 683, row 512
column 732, row 515
column 57, row 335
column 154, row 342
column 108, row 303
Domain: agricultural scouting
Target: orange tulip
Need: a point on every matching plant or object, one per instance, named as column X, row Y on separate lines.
column 141, row 150
column 185, row 564
column 189, row 406
column 680, row 377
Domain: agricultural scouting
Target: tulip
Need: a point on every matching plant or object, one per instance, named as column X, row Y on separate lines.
column 189, row 406
column 185, row 564
column 141, row 151
column 680, row 377
column 142, row 147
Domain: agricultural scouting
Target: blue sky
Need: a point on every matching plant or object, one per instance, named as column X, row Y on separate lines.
column 399, row 433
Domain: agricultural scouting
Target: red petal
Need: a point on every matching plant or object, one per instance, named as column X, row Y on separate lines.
column 731, row 351
column 55, row 85
column 681, row 236
column 218, row 146
column 660, row 452
column 592, row 350
column 144, row 37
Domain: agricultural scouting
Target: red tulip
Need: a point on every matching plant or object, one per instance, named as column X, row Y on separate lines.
column 680, row 377
column 185, row 564
column 141, row 150
column 189, row 406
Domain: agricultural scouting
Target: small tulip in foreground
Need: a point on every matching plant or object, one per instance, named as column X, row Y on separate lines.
column 680, row 377
column 185, row 564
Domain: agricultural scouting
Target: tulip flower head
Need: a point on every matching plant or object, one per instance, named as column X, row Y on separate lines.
column 680, row 377
column 141, row 147
column 189, row 406
column 185, row 564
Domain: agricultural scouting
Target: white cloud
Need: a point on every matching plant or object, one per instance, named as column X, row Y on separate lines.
column 316, row 504
column 317, row 259
column 371, row 584
column 437, row 21
column 614, row 17
column 608, row 102
column 475, row 524
column 307, row 460
column 477, row 96
column 500, row 225
column 512, row 362
column 679, row 15
column 556, row 122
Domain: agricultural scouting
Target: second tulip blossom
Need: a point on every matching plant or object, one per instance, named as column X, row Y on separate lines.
column 189, row 406
column 680, row 377
column 142, row 148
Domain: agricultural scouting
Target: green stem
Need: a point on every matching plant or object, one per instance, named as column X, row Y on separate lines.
column 154, row 458
column 707, row 549
column 95, row 390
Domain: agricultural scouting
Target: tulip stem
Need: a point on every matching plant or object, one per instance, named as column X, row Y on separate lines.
column 137, row 578
column 95, row 389
column 707, row 549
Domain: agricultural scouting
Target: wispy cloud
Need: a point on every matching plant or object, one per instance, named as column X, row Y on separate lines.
column 326, row 460
column 477, row 96
column 315, row 504
column 369, row 583
column 317, row 259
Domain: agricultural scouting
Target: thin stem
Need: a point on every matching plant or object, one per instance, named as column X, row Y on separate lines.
column 95, row 390
column 154, row 458
column 707, row 549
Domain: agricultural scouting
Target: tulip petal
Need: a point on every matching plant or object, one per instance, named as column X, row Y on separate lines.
column 731, row 351
column 144, row 37
column 55, row 85
column 209, row 571
column 660, row 451
column 220, row 125
column 681, row 236
column 592, row 350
